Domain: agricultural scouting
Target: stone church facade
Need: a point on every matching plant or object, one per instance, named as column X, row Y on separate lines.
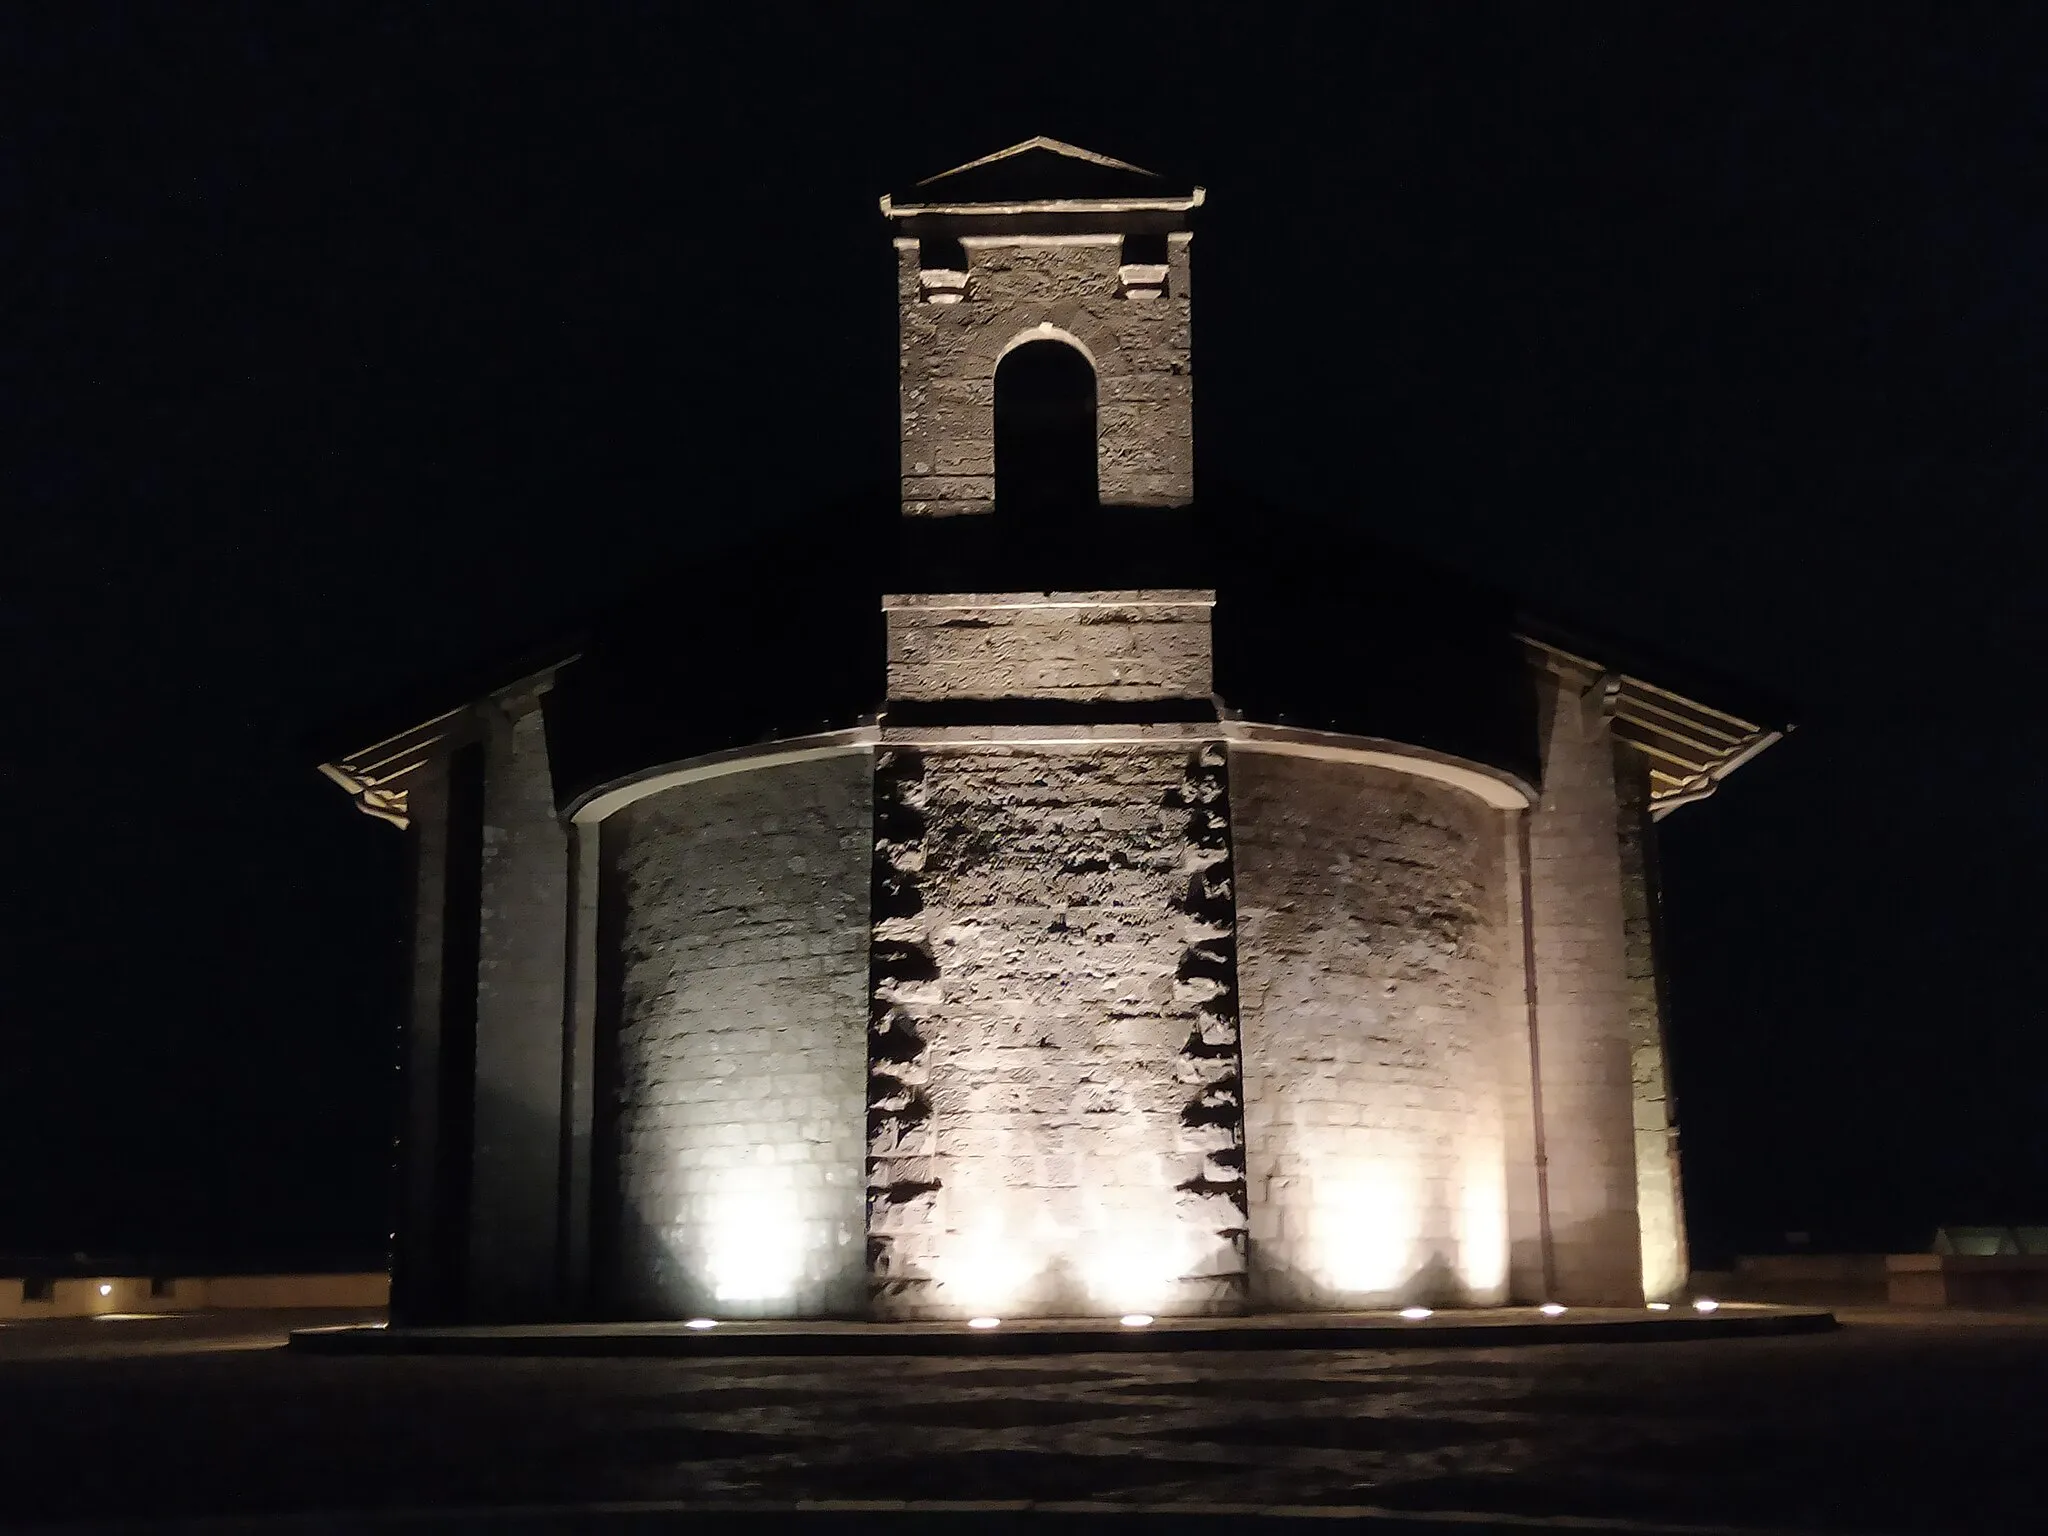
column 1068, row 968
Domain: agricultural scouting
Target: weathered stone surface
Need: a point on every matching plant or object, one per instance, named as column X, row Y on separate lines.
column 1087, row 646
column 1660, row 1208
column 1583, row 1006
column 1054, row 1110
column 741, row 1050
column 523, row 917
column 1021, row 290
column 1372, row 928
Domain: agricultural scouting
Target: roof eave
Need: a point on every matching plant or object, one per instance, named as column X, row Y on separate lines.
column 378, row 777
column 1691, row 746
column 1086, row 205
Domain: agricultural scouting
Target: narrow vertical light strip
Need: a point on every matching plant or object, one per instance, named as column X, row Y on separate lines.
column 1483, row 1227
column 1529, row 998
column 578, row 1078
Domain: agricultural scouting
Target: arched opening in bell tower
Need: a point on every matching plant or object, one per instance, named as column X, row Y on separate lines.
column 1045, row 432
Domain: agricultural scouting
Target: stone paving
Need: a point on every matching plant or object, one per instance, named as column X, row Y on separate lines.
column 1891, row 1424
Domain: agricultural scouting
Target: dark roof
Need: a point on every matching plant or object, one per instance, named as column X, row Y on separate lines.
column 1044, row 172
column 1433, row 659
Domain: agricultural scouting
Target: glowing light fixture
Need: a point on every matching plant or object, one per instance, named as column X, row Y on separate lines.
column 1706, row 1304
column 1552, row 1309
column 1660, row 1306
column 1416, row 1314
column 984, row 1322
column 702, row 1322
column 106, row 1290
column 1136, row 1319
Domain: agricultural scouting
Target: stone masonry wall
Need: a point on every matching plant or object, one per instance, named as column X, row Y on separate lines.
column 1529, row 1281
column 742, row 1042
column 1070, row 287
column 520, row 945
column 1089, row 646
column 1372, row 919
column 1582, row 1005
column 1660, row 1206
column 1055, row 1122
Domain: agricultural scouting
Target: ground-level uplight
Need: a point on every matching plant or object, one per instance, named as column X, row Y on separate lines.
column 1136, row 1319
column 1660, row 1306
column 1552, row 1309
column 984, row 1322
column 1416, row 1314
column 702, row 1322
column 1706, row 1304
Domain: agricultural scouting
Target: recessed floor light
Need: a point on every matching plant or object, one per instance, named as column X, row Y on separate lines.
column 1660, row 1306
column 1552, row 1309
column 1136, row 1319
column 702, row 1322
column 984, row 1322
column 1706, row 1304
column 1415, row 1314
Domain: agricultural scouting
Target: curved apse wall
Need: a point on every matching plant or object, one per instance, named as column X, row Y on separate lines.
column 736, row 910
column 1371, row 935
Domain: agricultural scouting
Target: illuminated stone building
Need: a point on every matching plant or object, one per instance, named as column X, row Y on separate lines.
column 1067, row 896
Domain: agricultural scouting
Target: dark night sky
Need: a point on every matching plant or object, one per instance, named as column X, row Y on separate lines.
column 346, row 345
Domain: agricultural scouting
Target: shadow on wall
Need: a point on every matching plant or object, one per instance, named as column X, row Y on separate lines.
column 494, row 1256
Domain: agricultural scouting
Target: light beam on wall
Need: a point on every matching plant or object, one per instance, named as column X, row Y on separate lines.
column 754, row 1238
column 1483, row 1229
column 1129, row 1262
column 1135, row 1269
column 1366, row 1223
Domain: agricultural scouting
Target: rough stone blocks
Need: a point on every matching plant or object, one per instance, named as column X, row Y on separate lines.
column 1583, row 1008
column 1071, row 289
column 1054, row 1107
column 1087, row 646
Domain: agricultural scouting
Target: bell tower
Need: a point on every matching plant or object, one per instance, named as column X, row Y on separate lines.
column 1046, row 367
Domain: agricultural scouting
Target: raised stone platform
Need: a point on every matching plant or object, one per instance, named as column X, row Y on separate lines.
column 1487, row 1328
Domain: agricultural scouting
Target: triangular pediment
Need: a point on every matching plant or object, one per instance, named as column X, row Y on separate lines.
column 1049, row 173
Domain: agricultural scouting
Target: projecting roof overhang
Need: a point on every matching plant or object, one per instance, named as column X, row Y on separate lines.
column 1690, row 746
column 379, row 776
